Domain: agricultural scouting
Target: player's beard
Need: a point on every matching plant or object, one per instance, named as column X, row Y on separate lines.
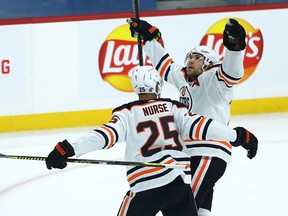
column 193, row 73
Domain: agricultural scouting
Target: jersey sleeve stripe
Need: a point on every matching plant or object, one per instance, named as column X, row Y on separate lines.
column 192, row 127
column 114, row 131
column 161, row 61
column 206, row 129
column 198, row 128
column 221, row 80
column 229, row 81
column 167, row 73
column 164, row 67
column 207, row 145
column 222, row 77
column 233, row 79
column 104, row 136
column 227, row 144
column 163, row 64
column 111, row 135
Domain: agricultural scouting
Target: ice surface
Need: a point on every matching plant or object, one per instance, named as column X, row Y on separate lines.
column 256, row 187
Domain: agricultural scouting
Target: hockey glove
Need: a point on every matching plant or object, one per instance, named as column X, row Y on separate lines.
column 234, row 36
column 57, row 157
column 247, row 140
column 144, row 29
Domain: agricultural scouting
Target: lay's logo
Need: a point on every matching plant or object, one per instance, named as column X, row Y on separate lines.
column 254, row 40
column 118, row 57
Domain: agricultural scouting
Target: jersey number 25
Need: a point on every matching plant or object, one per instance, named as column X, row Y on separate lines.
column 147, row 149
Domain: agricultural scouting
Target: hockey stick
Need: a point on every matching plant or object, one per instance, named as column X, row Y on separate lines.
column 137, row 17
column 101, row 162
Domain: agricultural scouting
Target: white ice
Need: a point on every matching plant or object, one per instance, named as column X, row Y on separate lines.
column 256, row 187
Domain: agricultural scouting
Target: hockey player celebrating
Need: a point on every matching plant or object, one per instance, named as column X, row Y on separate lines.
column 151, row 128
column 208, row 94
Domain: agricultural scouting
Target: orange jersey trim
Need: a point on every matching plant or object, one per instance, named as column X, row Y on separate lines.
column 112, row 140
column 165, row 66
column 144, row 172
column 225, row 143
column 197, row 134
column 225, row 79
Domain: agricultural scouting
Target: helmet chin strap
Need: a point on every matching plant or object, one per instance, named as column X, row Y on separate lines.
column 205, row 66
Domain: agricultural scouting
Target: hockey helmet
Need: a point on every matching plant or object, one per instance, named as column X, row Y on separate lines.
column 145, row 79
column 209, row 54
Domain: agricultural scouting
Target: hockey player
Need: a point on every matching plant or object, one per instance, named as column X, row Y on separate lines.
column 206, row 88
column 151, row 128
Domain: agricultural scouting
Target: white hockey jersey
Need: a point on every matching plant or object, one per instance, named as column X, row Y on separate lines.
column 210, row 95
column 151, row 130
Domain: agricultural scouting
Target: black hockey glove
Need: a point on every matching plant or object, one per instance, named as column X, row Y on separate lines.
column 144, row 29
column 247, row 140
column 234, row 36
column 57, row 157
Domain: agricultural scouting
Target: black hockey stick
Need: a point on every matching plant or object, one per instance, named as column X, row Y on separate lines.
column 137, row 17
column 101, row 162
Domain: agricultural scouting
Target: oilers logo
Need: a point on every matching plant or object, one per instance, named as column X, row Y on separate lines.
column 186, row 97
column 183, row 90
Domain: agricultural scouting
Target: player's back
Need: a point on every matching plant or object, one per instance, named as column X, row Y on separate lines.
column 151, row 136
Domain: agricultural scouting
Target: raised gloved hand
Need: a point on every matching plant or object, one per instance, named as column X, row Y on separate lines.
column 234, row 36
column 57, row 158
column 144, row 29
column 247, row 140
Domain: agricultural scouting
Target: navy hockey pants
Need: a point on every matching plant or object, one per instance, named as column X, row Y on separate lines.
column 174, row 199
column 205, row 172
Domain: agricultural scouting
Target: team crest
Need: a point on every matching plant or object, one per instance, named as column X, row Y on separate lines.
column 183, row 90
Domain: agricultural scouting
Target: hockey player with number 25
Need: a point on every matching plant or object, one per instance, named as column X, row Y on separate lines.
column 205, row 86
column 151, row 128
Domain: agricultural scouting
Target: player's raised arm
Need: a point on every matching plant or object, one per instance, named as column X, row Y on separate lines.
column 234, row 40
